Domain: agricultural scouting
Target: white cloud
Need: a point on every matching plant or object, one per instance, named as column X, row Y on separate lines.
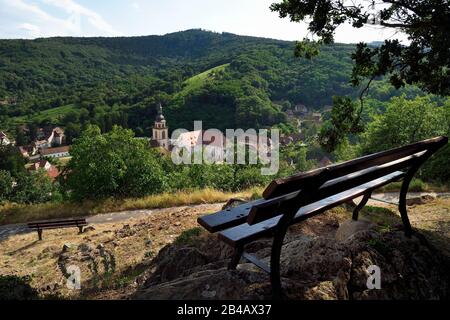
column 31, row 29
column 31, row 20
column 136, row 5
column 94, row 18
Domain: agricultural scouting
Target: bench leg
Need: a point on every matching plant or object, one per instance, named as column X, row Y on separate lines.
column 275, row 274
column 39, row 231
column 236, row 258
column 360, row 206
column 80, row 228
column 402, row 206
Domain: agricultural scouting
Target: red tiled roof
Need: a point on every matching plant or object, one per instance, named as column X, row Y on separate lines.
column 53, row 172
column 55, row 150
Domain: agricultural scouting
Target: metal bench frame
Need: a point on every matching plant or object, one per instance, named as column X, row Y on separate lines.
column 421, row 152
column 39, row 226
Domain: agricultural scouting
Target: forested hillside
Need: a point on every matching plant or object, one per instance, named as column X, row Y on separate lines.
column 120, row 80
column 107, row 81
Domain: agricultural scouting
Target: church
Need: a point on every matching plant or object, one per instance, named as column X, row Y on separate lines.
column 188, row 140
column 160, row 132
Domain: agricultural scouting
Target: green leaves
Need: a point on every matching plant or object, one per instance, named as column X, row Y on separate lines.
column 307, row 49
column 345, row 117
column 423, row 62
column 6, row 185
column 112, row 164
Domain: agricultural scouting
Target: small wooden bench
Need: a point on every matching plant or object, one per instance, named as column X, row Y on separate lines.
column 299, row 197
column 56, row 224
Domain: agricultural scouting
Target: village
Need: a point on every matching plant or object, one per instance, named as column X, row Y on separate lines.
column 48, row 150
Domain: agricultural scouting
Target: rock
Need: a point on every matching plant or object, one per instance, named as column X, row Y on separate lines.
column 126, row 231
column 349, row 227
column 423, row 199
column 323, row 291
column 210, row 284
column 312, row 267
column 66, row 247
column 88, row 229
column 85, row 247
column 187, row 258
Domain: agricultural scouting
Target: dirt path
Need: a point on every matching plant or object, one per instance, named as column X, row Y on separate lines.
column 13, row 229
column 8, row 230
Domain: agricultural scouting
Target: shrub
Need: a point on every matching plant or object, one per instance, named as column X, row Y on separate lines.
column 188, row 237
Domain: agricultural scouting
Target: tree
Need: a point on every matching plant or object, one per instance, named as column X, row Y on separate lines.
column 21, row 139
column 72, row 131
column 407, row 121
column 11, row 160
column 112, row 164
column 6, row 185
column 35, row 187
column 403, row 122
column 424, row 62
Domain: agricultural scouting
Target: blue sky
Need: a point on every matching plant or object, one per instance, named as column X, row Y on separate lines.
column 46, row 18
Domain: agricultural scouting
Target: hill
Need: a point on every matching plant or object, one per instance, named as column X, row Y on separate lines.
column 201, row 79
column 109, row 81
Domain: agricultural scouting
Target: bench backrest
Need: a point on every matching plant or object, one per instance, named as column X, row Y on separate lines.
column 56, row 223
column 315, row 185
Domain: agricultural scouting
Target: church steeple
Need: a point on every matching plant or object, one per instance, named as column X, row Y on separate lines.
column 160, row 130
column 160, row 115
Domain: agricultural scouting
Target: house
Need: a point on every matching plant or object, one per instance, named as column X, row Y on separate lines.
column 24, row 152
column 286, row 139
column 50, row 169
column 58, row 152
column 4, row 140
column 300, row 109
column 211, row 143
column 316, row 117
column 41, row 144
column 49, row 137
column 58, row 136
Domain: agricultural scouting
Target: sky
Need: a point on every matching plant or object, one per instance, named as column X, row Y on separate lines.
column 31, row 19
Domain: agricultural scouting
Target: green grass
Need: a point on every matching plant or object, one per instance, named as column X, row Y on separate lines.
column 384, row 218
column 416, row 185
column 188, row 237
column 54, row 114
column 200, row 79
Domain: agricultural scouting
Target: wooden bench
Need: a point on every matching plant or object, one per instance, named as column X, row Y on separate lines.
column 56, row 224
column 299, row 197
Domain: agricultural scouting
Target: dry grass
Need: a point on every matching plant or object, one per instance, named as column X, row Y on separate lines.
column 136, row 241
column 132, row 243
column 16, row 213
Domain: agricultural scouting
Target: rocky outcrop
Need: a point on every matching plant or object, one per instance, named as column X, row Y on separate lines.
column 94, row 261
column 323, row 265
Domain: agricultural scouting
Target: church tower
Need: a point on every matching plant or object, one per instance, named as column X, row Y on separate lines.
column 160, row 130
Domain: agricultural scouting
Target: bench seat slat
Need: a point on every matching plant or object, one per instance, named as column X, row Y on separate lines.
column 245, row 233
column 225, row 219
column 235, row 216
